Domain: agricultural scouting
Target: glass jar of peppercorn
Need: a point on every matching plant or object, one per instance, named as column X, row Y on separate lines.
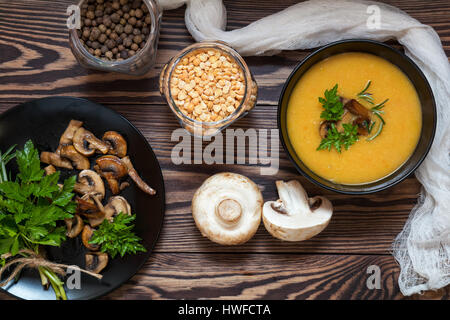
column 117, row 35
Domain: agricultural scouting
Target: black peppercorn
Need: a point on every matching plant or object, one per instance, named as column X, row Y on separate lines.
column 124, row 54
column 114, row 29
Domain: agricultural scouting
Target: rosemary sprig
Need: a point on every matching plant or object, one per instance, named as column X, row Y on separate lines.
column 364, row 95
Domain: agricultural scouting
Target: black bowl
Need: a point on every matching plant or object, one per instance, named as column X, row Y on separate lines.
column 417, row 78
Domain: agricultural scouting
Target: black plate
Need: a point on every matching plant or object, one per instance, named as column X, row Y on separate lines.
column 44, row 121
column 417, row 78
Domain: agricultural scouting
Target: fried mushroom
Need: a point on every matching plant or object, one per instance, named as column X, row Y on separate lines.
column 112, row 169
column 136, row 178
column 116, row 205
column 117, row 143
column 79, row 161
column 90, row 181
column 86, row 236
column 68, row 134
column 96, row 261
column 85, row 142
column 74, row 226
column 55, row 160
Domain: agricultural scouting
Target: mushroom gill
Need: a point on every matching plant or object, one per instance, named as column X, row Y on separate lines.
column 295, row 217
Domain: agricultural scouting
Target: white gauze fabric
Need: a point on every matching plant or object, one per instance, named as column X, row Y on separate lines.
column 422, row 249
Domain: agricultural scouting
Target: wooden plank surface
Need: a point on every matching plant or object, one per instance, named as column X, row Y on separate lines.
column 35, row 61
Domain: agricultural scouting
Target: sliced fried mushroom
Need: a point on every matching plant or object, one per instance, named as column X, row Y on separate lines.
column 68, row 134
column 112, row 169
column 116, row 205
column 89, row 181
column 88, row 208
column 56, row 160
column 362, row 119
column 227, row 208
column 86, row 235
column 96, row 261
column 118, row 145
column 79, row 161
column 95, row 216
column 74, row 226
column 136, row 178
column 49, row 170
column 295, row 217
column 85, row 142
column 324, row 127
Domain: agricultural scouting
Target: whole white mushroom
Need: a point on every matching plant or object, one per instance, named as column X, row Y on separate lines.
column 295, row 217
column 227, row 208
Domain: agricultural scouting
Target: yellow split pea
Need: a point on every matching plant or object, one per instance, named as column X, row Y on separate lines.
column 207, row 85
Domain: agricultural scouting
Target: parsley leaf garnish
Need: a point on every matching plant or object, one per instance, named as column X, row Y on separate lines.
column 117, row 237
column 338, row 139
column 333, row 107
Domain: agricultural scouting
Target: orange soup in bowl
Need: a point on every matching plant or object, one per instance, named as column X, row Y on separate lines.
column 354, row 118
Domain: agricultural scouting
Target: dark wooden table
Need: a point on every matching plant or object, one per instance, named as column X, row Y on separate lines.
column 35, row 62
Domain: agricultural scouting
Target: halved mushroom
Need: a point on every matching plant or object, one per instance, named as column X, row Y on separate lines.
column 68, row 134
column 85, row 142
column 90, row 182
column 79, row 161
column 49, row 170
column 56, row 160
column 74, row 226
column 86, row 236
column 136, row 178
column 116, row 205
column 96, row 261
column 112, row 169
column 117, row 143
column 295, row 217
column 227, row 208
column 362, row 119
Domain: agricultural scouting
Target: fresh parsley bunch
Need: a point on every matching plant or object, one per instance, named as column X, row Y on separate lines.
column 333, row 107
column 32, row 206
column 117, row 237
column 32, row 211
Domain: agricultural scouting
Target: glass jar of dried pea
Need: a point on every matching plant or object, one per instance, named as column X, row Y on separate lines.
column 117, row 35
column 208, row 86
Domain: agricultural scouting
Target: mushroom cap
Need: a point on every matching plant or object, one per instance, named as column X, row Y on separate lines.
column 295, row 217
column 85, row 142
column 86, row 235
column 74, row 226
column 111, row 167
column 118, row 145
column 116, row 205
column 90, row 181
column 227, row 208
column 96, row 261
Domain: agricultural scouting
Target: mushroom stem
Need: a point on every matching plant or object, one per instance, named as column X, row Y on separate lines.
column 229, row 210
column 136, row 178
